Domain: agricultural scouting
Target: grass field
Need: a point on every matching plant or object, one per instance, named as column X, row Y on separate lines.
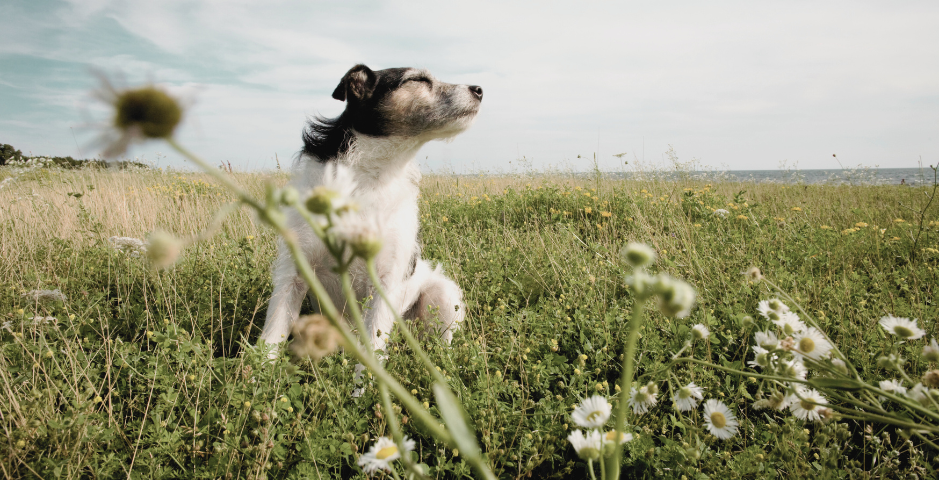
column 148, row 374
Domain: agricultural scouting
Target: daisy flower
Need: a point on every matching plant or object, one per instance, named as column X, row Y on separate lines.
column 806, row 404
column 638, row 255
column 610, row 438
column 592, row 412
column 385, row 451
column 719, row 419
column 918, row 393
column 812, row 344
column 640, row 400
column 687, row 397
column 700, row 332
column 931, row 351
column 335, row 193
column 789, row 323
column 774, row 306
column 766, row 340
column 902, row 327
column 720, row 212
column 139, row 114
column 587, row 446
column 761, row 357
column 892, row 386
column 794, row 369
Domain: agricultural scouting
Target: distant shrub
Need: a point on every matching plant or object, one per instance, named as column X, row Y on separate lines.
column 9, row 154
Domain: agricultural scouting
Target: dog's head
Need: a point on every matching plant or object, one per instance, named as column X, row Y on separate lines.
column 406, row 102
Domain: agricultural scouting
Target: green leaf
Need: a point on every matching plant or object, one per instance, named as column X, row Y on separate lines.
column 836, row 384
column 452, row 413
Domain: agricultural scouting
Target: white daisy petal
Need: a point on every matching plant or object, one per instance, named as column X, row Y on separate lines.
column 811, row 343
column 806, row 404
column 592, row 412
column 720, row 421
column 902, row 327
column 686, row 398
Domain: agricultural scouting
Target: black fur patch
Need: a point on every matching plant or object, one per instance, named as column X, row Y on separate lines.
column 362, row 89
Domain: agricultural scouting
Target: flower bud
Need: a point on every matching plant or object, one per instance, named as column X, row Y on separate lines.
column 321, row 201
column 754, row 275
column 149, row 110
column 638, row 255
column 163, row 249
column 839, row 365
column 676, row 297
column 289, row 196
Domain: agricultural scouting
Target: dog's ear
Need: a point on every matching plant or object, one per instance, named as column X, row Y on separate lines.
column 358, row 82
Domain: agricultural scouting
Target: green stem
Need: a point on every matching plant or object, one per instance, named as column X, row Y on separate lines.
column 402, row 325
column 626, row 380
column 327, row 308
column 593, row 476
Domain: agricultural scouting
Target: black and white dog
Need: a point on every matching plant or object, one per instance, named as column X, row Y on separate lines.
column 389, row 115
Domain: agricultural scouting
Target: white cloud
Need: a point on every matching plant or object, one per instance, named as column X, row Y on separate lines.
column 737, row 83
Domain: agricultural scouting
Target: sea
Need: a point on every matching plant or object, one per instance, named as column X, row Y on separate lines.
column 849, row 176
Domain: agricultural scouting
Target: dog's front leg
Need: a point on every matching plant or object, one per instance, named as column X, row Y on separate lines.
column 284, row 308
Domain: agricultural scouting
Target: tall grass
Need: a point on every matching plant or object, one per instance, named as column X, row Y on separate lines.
column 150, row 374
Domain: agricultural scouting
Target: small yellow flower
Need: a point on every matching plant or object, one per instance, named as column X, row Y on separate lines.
column 848, row 231
column 445, row 219
column 899, row 220
column 825, row 227
column 19, row 312
column 697, row 225
column 860, row 224
column 796, row 209
column 247, row 404
column 587, row 210
column 741, row 217
column 577, row 371
column 606, row 214
column 250, row 237
column 98, row 399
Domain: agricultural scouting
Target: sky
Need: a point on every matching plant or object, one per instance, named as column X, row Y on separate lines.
column 727, row 85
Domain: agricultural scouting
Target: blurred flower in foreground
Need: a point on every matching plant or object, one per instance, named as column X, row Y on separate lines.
column 139, row 114
column 380, row 456
column 719, row 419
column 587, row 447
column 931, row 351
column 592, row 412
column 700, row 332
column 314, row 337
column 163, row 249
column 902, row 327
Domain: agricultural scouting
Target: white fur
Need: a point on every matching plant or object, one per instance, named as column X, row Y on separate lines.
column 386, row 193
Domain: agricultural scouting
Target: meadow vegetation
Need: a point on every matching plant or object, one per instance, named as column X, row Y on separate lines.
column 146, row 373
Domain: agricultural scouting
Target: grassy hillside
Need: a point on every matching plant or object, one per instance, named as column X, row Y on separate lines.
column 152, row 374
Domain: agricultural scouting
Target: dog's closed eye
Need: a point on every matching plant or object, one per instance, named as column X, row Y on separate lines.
column 426, row 80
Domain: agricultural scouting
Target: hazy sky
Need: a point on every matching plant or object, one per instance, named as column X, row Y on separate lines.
column 737, row 85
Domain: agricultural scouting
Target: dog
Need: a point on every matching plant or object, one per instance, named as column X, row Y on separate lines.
column 389, row 115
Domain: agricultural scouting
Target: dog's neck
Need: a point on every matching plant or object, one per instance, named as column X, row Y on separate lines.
column 382, row 159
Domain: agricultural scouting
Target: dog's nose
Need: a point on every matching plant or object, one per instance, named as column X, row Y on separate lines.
column 477, row 90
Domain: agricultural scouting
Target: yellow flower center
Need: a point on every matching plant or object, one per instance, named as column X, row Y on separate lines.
column 594, row 415
column 611, row 436
column 806, row 405
column 902, row 331
column 684, row 393
column 386, row 452
column 806, row 345
column 788, row 329
column 718, row 419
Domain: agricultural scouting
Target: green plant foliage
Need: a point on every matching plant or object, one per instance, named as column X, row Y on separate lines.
column 155, row 374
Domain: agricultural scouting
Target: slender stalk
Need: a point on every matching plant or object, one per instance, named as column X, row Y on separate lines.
column 402, row 325
column 626, row 380
column 327, row 308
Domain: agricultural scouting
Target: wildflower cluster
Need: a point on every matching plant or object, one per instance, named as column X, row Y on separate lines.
column 593, row 414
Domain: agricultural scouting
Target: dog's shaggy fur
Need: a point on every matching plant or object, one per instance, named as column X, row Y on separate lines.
column 389, row 115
